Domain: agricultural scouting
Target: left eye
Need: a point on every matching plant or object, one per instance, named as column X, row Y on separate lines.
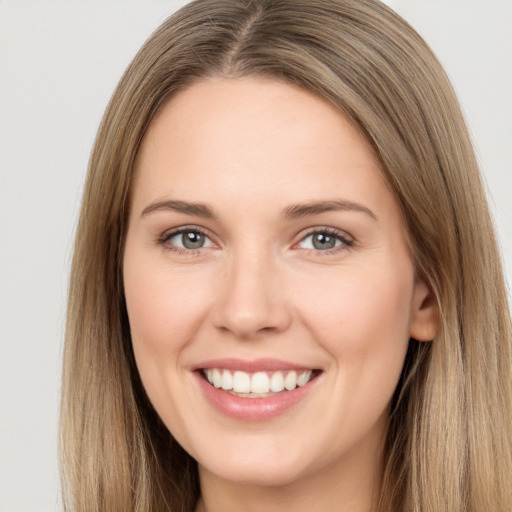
column 189, row 239
column 323, row 241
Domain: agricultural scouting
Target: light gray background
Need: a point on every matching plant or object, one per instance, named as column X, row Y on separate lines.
column 59, row 62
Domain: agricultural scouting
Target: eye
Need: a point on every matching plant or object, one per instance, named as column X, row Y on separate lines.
column 186, row 239
column 325, row 240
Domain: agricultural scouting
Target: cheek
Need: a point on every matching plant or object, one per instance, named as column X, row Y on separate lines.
column 163, row 307
column 361, row 318
column 165, row 311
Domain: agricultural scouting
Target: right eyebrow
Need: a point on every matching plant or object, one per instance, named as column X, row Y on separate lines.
column 296, row 211
column 196, row 209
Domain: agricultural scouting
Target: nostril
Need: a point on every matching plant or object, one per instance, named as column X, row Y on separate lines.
column 249, row 303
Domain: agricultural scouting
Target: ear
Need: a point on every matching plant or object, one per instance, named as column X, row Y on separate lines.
column 425, row 313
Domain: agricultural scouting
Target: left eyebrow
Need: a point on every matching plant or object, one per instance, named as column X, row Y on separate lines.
column 296, row 211
column 197, row 209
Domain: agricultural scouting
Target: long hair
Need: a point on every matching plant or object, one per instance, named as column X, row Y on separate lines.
column 449, row 444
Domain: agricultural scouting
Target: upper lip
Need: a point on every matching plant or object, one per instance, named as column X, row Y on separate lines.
column 251, row 366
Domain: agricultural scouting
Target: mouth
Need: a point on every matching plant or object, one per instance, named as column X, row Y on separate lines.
column 258, row 384
column 256, row 390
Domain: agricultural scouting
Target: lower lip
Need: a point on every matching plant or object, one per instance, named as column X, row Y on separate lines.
column 253, row 409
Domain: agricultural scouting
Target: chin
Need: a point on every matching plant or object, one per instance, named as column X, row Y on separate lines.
column 258, row 474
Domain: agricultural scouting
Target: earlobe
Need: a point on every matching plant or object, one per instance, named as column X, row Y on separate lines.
column 424, row 324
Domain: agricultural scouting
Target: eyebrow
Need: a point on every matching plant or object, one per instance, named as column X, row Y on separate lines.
column 294, row 211
column 297, row 211
column 196, row 209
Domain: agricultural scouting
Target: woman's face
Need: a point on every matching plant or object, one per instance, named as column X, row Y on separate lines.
column 265, row 251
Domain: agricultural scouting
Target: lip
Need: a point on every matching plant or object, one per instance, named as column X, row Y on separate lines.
column 252, row 409
column 256, row 365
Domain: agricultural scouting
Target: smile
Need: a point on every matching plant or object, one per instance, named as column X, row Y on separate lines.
column 255, row 390
column 257, row 384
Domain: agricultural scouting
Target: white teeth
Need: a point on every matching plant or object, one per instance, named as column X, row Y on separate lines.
column 259, row 383
column 227, row 380
column 241, row 382
column 304, row 378
column 217, row 378
column 290, row 381
column 277, row 382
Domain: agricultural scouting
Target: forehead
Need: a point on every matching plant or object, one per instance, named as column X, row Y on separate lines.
column 254, row 138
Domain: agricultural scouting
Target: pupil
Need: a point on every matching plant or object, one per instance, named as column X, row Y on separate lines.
column 193, row 240
column 322, row 241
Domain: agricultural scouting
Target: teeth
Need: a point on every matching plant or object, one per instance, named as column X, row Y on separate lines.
column 227, row 380
column 290, row 381
column 241, row 382
column 304, row 378
column 277, row 382
column 259, row 383
column 217, row 378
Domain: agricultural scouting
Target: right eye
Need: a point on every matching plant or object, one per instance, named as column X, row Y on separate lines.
column 187, row 239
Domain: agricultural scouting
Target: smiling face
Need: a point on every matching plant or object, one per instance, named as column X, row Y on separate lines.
column 265, row 251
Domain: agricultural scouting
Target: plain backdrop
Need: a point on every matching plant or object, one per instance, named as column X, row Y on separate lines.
column 59, row 63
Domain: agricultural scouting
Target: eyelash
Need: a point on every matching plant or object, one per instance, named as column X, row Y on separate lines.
column 164, row 240
column 346, row 241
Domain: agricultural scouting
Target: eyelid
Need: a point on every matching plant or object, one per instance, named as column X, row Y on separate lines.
column 347, row 241
column 167, row 235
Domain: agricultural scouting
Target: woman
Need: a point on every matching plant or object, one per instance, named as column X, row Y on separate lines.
column 286, row 292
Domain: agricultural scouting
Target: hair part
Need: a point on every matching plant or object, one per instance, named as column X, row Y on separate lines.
column 449, row 445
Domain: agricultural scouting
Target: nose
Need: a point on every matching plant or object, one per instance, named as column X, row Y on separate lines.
column 251, row 299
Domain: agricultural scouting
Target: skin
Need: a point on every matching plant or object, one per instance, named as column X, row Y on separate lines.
column 249, row 148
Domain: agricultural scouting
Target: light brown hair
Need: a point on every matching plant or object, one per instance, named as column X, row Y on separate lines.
column 449, row 446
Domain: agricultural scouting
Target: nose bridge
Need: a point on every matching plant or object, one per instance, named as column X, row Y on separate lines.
column 251, row 298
